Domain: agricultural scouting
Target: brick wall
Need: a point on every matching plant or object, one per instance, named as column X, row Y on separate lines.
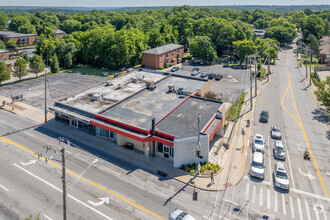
column 155, row 61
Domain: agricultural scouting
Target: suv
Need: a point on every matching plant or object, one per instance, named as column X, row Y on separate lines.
column 211, row 75
column 257, row 166
column 259, row 143
column 281, row 177
column 218, row 77
column 275, row 133
column 174, row 69
column 264, row 116
column 180, row 215
column 279, row 152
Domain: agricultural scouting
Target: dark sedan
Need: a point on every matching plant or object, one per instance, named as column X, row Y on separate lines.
column 218, row 77
column 211, row 76
column 264, row 116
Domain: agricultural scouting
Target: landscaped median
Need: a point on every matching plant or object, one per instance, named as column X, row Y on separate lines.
column 235, row 110
column 206, row 168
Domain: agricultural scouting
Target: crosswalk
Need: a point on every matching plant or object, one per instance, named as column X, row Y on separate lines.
column 266, row 199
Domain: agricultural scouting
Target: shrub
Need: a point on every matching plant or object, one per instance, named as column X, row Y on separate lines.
column 183, row 167
column 161, row 68
column 187, row 169
column 315, row 81
column 143, row 66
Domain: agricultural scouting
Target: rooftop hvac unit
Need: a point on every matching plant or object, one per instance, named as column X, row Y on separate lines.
column 97, row 97
column 171, row 88
column 198, row 93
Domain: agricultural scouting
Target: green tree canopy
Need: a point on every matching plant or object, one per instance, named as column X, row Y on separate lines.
column 314, row 44
column 244, row 48
column 3, row 22
column 37, row 65
column 314, row 25
column 27, row 29
column 2, row 45
column 202, row 48
column 4, row 72
column 54, row 65
column 20, row 68
column 323, row 93
column 18, row 21
column 10, row 44
column 281, row 34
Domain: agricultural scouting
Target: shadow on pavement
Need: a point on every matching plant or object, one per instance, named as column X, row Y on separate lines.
column 321, row 115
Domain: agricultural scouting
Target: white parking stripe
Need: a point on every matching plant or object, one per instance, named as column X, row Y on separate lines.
column 254, row 194
column 283, row 204
column 291, row 207
column 324, row 213
column 260, row 201
column 307, row 210
column 287, row 153
column 275, row 202
column 299, row 209
column 4, row 188
column 268, row 199
column 316, row 212
column 247, row 188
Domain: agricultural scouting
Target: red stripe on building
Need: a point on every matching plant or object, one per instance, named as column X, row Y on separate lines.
column 215, row 130
column 209, row 124
column 164, row 135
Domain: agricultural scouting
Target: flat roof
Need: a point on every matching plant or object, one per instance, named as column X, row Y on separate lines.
column 183, row 121
column 109, row 92
column 163, row 49
column 139, row 109
column 14, row 34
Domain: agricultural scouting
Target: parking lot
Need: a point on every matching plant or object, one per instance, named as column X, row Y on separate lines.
column 234, row 81
column 58, row 86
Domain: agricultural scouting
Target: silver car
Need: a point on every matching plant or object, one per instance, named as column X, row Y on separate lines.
column 281, row 177
column 275, row 133
column 279, row 152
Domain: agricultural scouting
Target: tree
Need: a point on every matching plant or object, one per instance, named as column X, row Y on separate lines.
column 68, row 60
column 20, row 68
column 3, row 21
column 54, row 65
column 201, row 47
column 314, row 44
column 281, row 34
column 4, row 72
column 244, row 48
column 2, row 45
column 11, row 44
column 17, row 22
column 260, row 23
column 323, row 93
column 26, row 57
column 37, row 65
column 27, row 29
column 184, row 24
column 314, row 25
column 71, row 25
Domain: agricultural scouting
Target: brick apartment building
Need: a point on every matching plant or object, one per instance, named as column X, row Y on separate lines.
column 325, row 49
column 162, row 56
column 59, row 33
column 19, row 39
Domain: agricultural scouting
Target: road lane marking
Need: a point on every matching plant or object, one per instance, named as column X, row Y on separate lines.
column 260, row 201
column 46, row 217
column 270, row 170
column 316, row 212
column 291, row 207
column 275, row 202
column 88, row 181
column 101, row 202
column 287, row 152
column 247, row 187
column 308, row 175
column 70, row 196
column 4, row 188
column 112, row 171
column 307, row 210
column 28, row 163
column 323, row 211
column 254, row 194
column 268, row 199
column 299, row 209
column 283, row 205
column 283, row 105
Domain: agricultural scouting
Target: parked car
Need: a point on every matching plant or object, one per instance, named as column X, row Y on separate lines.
column 211, row 76
column 257, row 168
column 279, row 152
column 275, row 133
column 174, row 69
column 264, row 116
column 203, row 75
column 259, row 143
column 281, row 177
column 218, row 77
column 195, row 69
column 180, row 215
column 194, row 72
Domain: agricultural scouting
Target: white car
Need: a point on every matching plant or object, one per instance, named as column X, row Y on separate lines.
column 275, row 132
column 257, row 166
column 178, row 214
column 259, row 143
column 281, row 177
column 279, row 152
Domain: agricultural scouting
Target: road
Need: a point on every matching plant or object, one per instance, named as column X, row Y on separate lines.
column 292, row 107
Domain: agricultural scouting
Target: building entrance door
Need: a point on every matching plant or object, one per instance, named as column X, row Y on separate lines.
column 166, row 151
column 74, row 122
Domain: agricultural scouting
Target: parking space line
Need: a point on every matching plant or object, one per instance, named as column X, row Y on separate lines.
column 307, row 210
column 260, row 201
column 268, row 199
column 270, row 170
column 283, row 204
column 275, row 202
column 254, row 194
column 316, row 212
column 291, row 207
column 299, row 209
column 4, row 188
column 247, row 188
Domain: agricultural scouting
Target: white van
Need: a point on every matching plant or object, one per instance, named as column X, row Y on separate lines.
column 257, row 166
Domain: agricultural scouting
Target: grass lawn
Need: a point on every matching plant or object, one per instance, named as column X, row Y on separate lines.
column 84, row 69
column 235, row 109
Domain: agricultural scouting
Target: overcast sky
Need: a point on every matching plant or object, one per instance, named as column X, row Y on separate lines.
column 132, row 3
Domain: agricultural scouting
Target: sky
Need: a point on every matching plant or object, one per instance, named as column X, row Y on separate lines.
column 134, row 3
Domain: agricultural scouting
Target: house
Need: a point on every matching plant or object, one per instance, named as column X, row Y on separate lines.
column 59, row 33
column 259, row 32
column 19, row 39
column 150, row 112
column 164, row 56
column 325, row 49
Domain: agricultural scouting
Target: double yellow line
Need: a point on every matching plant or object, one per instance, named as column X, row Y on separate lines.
column 6, row 140
column 299, row 121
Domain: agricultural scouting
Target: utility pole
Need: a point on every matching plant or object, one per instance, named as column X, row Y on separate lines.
column 63, row 183
column 255, row 75
column 250, row 82
column 310, row 67
column 306, row 51
column 45, row 96
column 198, row 150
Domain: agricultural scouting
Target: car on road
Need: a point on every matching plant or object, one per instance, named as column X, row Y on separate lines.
column 218, row 77
column 203, row 75
column 264, row 116
column 281, row 177
column 279, row 152
column 174, row 69
column 211, row 76
column 257, row 168
column 259, row 143
column 275, row 133
column 180, row 215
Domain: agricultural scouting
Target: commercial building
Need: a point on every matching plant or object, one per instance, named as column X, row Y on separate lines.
column 150, row 112
column 19, row 39
column 170, row 54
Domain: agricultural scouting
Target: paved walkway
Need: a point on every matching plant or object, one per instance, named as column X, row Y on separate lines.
column 232, row 160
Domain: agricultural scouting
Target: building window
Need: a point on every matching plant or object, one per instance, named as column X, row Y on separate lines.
column 161, row 56
column 171, row 152
column 167, row 55
column 172, row 54
column 160, row 147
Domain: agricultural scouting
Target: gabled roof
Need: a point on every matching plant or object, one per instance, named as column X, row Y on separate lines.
column 163, row 49
column 59, row 31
